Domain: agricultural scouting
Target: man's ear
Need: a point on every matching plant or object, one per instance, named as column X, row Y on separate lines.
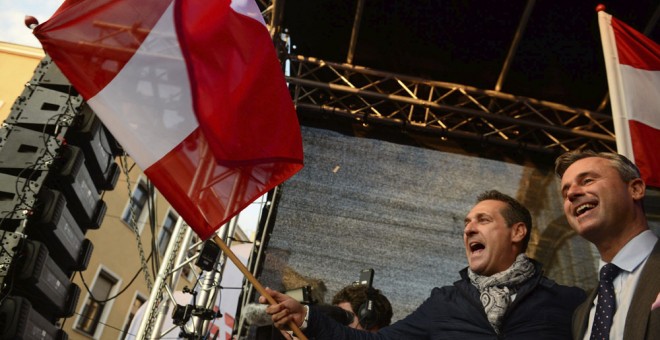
column 637, row 189
column 518, row 232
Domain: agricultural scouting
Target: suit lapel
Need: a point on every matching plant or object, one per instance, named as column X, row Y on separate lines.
column 581, row 315
column 648, row 286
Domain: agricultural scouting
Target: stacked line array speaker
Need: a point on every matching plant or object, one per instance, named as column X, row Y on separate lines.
column 56, row 160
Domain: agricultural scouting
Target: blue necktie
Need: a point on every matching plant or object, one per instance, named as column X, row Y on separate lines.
column 606, row 305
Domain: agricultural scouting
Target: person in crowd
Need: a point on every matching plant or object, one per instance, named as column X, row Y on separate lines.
column 354, row 299
column 349, row 308
column 602, row 195
column 501, row 294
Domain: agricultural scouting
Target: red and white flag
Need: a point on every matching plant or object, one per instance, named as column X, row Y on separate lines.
column 192, row 90
column 632, row 61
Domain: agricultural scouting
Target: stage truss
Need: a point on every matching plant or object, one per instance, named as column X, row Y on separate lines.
column 445, row 110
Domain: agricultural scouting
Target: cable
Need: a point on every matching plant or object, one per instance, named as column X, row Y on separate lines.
column 155, row 262
column 233, row 239
column 12, row 273
column 121, row 331
column 91, row 296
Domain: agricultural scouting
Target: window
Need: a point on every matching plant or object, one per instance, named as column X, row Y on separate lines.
column 166, row 231
column 138, row 301
column 92, row 312
column 137, row 202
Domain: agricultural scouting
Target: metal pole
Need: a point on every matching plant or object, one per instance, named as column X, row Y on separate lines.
column 210, row 285
column 146, row 326
column 514, row 45
column 181, row 254
column 355, row 31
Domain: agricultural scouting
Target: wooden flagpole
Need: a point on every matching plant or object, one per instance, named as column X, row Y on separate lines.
column 254, row 281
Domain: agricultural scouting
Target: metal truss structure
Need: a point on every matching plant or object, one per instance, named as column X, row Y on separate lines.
column 446, row 110
column 442, row 109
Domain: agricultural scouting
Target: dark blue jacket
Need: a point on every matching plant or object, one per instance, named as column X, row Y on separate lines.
column 541, row 310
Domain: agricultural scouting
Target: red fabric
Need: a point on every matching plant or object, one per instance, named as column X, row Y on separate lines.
column 634, row 48
column 248, row 139
column 646, row 146
column 233, row 66
column 77, row 38
column 638, row 51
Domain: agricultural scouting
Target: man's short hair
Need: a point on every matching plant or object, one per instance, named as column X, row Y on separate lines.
column 356, row 295
column 626, row 169
column 513, row 213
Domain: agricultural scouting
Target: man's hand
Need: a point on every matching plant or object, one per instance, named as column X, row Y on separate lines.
column 287, row 309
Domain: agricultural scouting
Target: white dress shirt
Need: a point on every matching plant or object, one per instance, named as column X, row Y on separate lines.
column 631, row 259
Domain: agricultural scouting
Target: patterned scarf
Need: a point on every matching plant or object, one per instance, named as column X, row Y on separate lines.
column 496, row 290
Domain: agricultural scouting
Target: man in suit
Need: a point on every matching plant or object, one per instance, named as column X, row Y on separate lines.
column 500, row 294
column 602, row 194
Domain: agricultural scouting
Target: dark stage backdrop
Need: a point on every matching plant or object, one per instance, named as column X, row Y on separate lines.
column 363, row 203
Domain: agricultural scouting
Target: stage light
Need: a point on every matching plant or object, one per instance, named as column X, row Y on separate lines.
column 208, row 256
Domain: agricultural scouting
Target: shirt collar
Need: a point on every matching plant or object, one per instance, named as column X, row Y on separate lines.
column 634, row 252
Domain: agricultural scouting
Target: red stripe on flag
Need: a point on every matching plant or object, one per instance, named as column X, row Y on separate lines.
column 646, row 146
column 83, row 35
column 634, row 48
column 243, row 107
column 238, row 87
column 215, row 193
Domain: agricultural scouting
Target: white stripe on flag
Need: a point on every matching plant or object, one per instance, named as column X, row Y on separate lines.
column 148, row 105
column 642, row 101
column 248, row 8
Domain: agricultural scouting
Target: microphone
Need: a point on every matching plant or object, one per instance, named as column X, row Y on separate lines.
column 255, row 314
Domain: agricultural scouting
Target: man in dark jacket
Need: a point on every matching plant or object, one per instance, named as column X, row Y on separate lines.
column 501, row 295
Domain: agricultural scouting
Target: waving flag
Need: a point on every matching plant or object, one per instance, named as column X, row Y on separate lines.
column 633, row 74
column 192, row 90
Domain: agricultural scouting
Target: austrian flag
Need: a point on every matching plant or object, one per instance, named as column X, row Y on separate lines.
column 632, row 61
column 192, row 90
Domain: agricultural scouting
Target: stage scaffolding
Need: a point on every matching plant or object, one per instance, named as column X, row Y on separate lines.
column 446, row 110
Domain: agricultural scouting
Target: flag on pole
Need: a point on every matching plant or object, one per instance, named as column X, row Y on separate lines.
column 192, row 90
column 632, row 61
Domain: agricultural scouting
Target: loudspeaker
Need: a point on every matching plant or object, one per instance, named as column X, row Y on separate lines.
column 39, row 279
column 53, row 224
column 89, row 134
column 25, row 152
column 70, row 176
column 43, row 110
column 19, row 321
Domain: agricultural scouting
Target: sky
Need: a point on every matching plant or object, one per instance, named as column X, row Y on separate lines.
column 12, row 16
